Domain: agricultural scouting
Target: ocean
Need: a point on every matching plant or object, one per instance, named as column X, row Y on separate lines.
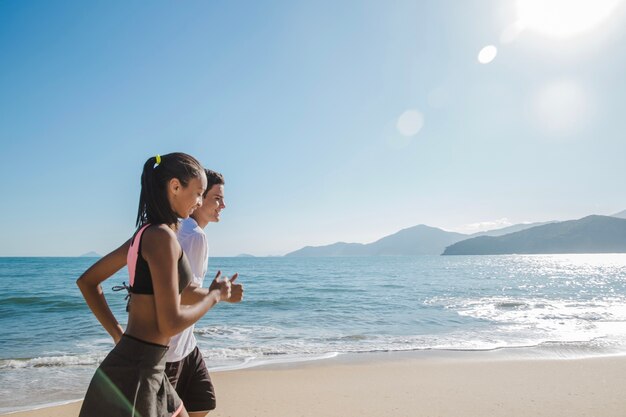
column 301, row 309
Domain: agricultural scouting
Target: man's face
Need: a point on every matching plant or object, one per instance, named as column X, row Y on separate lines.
column 213, row 203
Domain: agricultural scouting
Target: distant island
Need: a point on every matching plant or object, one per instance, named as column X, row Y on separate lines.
column 417, row 240
column 245, row 255
column 621, row 214
column 90, row 255
column 591, row 234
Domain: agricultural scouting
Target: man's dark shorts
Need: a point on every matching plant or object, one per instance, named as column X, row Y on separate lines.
column 192, row 382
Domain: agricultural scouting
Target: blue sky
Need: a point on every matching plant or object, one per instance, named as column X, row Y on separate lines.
column 303, row 107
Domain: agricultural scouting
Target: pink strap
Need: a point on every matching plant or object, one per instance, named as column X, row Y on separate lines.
column 177, row 412
column 133, row 254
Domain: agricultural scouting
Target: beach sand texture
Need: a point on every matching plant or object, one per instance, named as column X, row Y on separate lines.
column 405, row 386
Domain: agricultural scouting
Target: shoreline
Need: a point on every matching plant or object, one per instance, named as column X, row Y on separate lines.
column 444, row 383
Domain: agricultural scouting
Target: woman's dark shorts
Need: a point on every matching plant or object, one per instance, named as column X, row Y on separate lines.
column 131, row 381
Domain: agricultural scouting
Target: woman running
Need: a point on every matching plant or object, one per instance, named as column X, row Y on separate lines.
column 131, row 379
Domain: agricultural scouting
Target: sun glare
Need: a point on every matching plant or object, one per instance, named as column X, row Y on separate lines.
column 563, row 18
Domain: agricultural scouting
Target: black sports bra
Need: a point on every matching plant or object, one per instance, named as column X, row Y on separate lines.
column 139, row 270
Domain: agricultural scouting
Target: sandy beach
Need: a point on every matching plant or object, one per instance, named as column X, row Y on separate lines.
column 402, row 385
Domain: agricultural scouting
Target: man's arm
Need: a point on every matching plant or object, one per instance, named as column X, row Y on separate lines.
column 195, row 247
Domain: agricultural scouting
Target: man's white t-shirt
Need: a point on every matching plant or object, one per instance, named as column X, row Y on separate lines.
column 193, row 241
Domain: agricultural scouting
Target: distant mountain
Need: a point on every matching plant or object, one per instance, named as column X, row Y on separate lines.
column 621, row 214
column 417, row 240
column 510, row 229
column 336, row 249
column 591, row 234
column 90, row 255
column 245, row 255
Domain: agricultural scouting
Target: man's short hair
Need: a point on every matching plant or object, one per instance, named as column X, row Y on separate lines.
column 212, row 178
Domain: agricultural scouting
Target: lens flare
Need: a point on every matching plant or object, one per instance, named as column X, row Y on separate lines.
column 487, row 54
column 410, row 122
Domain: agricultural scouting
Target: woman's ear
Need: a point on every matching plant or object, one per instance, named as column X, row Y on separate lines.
column 175, row 186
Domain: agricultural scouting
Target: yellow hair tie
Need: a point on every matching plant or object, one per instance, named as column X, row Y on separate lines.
column 158, row 159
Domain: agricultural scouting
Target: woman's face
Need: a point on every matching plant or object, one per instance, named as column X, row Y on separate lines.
column 185, row 200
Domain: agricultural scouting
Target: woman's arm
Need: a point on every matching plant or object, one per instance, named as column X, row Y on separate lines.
column 89, row 284
column 161, row 250
column 194, row 294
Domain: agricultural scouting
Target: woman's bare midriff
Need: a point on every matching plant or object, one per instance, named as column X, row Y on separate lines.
column 142, row 320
